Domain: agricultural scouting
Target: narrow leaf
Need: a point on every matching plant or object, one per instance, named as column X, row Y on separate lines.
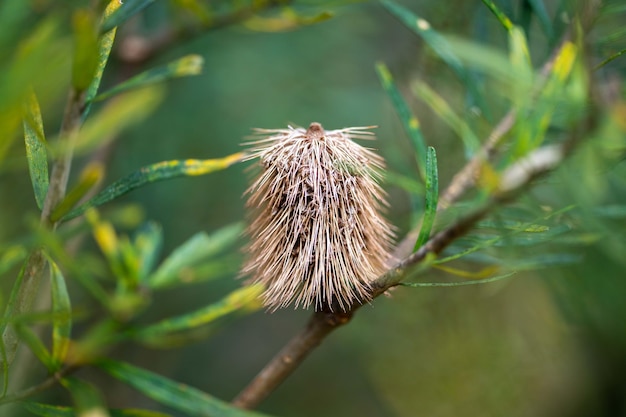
column 62, row 320
column 439, row 105
column 459, row 284
column 11, row 257
column 153, row 173
column 502, row 17
column 179, row 396
column 105, row 45
column 28, row 336
column 89, row 178
column 197, row 248
column 432, row 198
column 85, row 61
column 47, row 410
column 87, row 399
column 241, row 298
column 183, row 67
column 148, row 242
column 409, row 121
column 127, row 10
column 287, row 20
column 36, row 153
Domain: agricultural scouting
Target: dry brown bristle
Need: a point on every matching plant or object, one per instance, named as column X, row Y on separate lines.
column 316, row 233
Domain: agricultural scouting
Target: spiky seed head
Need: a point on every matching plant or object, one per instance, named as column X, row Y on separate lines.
column 316, row 232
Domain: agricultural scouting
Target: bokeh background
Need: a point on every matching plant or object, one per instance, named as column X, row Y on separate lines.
column 548, row 343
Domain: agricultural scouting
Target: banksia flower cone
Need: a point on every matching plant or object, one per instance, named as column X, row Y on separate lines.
column 316, row 232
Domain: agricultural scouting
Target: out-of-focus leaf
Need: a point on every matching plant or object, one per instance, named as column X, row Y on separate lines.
column 439, row 105
column 198, row 247
column 179, row 396
column 502, row 17
column 11, row 257
column 153, row 173
column 104, row 50
column 183, row 67
column 87, row 399
column 62, row 319
column 47, row 410
column 36, row 345
column 85, row 60
column 406, row 183
column 440, row 46
column 36, row 152
column 198, row 8
column 89, row 178
column 108, row 242
column 245, row 297
column 287, row 20
column 520, row 59
column 432, row 198
column 125, row 11
column 36, row 60
column 123, row 111
column 148, row 242
column 409, row 121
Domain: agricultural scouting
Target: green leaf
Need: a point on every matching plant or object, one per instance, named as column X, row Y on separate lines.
column 36, row 153
column 91, row 175
column 87, row 399
column 181, row 397
column 28, row 336
column 502, row 17
column 439, row 45
column 153, row 173
column 461, row 283
column 62, row 319
column 47, row 410
column 410, row 123
column 406, row 183
column 432, row 198
column 183, row 67
column 287, row 20
column 127, row 10
column 241, row 298
column 148, row 242
column 123, row 111
column 197, row 248
column 11, row 257
column 439, row 105
column 105, row 45
column 85, row 61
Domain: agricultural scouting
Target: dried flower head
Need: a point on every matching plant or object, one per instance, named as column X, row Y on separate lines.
column 316, row 233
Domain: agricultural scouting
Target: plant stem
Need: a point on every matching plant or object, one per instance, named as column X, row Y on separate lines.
column 289, row 358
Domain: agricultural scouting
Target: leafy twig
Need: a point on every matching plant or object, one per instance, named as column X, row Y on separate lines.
column 514, row 180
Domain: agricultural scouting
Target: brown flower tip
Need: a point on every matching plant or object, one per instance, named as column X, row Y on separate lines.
column 316, row 232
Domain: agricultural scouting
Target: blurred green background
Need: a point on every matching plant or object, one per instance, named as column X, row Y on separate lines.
column 549, row 343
